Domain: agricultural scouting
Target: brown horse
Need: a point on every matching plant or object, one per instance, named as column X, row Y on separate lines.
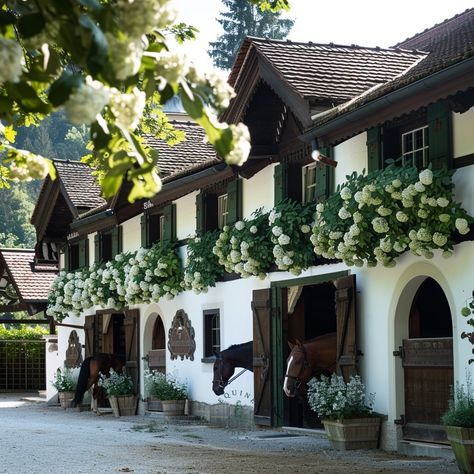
column 89, row 375
column 313, row 357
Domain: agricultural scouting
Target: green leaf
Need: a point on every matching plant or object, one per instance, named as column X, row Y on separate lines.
column 92, row 4
column 27, row 98
column 99, row 48
column 62, row 88
column 111, row 185
column 30, row 25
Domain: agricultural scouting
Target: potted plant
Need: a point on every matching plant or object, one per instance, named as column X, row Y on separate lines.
column 168, row 390
column 65, row 382
column 346, row 411
column 120, row 392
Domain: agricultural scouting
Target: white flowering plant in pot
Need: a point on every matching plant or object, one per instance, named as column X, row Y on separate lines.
column 376, row 217
column 116, row 383
column 334, row 399
column 245, row 248
column 290, row 223
column 65, row 380
column 201, row 269
column 164, row 387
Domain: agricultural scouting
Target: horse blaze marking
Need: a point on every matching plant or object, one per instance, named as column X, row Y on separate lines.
column 285, row 386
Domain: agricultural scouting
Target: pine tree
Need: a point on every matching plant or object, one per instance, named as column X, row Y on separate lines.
column 242, row 19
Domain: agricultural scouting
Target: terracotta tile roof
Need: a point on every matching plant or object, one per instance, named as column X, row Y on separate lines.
column 447, row 43
column 33, row 282
column 328, row 71
column 80, row 185
column 191, row 154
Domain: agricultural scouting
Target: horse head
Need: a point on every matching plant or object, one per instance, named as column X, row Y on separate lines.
column 223, row 371
column 298, row 369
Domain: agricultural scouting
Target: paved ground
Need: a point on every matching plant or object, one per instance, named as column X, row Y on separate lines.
column 35, row 438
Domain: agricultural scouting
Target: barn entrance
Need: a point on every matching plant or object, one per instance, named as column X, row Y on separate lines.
column 298, row 309
column 427, row 360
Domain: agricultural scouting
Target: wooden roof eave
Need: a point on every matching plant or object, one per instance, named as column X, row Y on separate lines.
column 70, row 204
column 44, row 208
column 394, row 104
column 4, row 264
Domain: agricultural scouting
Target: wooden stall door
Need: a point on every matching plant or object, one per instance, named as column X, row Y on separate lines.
column 89, row 335
column 261, row 308
column 428, row 369
column 132, row 355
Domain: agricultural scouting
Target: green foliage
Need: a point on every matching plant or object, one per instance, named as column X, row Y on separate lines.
column 461, row 405
column 65, row 380
column 376, row 217
column 202, row 268
column 243, row 18
column 164, row 387
column 333, row 399
column 468, row 312
column 23, row 333
column 116, row 383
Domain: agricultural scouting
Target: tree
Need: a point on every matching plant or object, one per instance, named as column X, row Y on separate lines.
column 102, row 62
column 240, row 20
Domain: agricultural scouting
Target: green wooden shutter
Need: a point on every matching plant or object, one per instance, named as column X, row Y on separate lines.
column 169, row 227
column 234, row 201
column 83, row 253
column 144, row 224
column 324, row 174
column 440, row 135
column 279, row 182
column 374, row 149
column 66, row 257
column 116, row 241
column 200, row 213
column 97, row 253
column 294, row 182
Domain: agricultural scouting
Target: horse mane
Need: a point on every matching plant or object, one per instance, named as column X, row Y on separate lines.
column 238, row 346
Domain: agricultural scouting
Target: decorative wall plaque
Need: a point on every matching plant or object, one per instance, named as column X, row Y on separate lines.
column 73, row 351
column 181, row 337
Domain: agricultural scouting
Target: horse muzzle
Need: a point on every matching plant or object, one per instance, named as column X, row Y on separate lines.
column 218, row 389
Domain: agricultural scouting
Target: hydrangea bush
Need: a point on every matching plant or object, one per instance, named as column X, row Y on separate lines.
column 375, row 218
column 202, row 268
column 137, row 277
column 245, row 248
column 290, row 223
column 333, row 399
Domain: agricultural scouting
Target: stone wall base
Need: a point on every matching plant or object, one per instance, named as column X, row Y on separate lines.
column 225, row 415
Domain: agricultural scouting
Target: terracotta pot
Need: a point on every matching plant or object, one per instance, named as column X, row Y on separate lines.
column 173, row 407
column 462, row 443
column 65, row 399
column 353, row 433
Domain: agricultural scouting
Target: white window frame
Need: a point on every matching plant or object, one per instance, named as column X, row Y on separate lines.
column 222, row 210
column 309, row 189
column 409, row 156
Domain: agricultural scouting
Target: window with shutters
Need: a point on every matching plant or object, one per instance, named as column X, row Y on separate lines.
column 218, row 206
column 309, row 183
column 212, row 332
column 415, row 147
column 159, row 226
column 222, row 210
column 108, row 244
column 76, row 255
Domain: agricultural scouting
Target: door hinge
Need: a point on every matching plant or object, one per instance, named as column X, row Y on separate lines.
column 400, row 421
column 400, row 353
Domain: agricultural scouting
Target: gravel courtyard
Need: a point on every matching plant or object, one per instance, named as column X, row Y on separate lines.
column 35, row 438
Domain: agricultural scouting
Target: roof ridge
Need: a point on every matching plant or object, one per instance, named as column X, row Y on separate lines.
column 436, row 25
column 257, row 40
column 16, row 249
column 67, row 160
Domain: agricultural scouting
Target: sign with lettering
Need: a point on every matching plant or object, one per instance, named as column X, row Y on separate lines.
column 181, row 341
column 148, row 205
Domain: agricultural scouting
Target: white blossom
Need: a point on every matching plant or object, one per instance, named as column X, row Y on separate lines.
column 127, row 108
column 125, row 55
column 241, row 140
column 11, row 59
column 240, row 225
column 426, row 177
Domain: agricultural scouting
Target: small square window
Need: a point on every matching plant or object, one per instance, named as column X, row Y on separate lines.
column 415, row 148
column 212, row 332
column 222, row 210
column 309, row 183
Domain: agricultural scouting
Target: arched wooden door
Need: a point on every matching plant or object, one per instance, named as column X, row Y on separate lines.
column 428, row 364
column 157, row 354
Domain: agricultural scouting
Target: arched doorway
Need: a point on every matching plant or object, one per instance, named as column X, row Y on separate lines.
column 427, row 356
column 157, row 354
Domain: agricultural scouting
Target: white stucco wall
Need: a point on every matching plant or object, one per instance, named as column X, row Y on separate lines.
column 258, row 192
column 131, row 234
column 186, row 216
column 351, row 156
column 463, row 125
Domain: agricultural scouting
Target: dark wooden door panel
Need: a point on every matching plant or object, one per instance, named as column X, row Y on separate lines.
column 131, row 324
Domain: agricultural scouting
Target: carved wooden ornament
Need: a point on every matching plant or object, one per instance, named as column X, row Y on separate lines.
column 73, row 351
column 181, row 337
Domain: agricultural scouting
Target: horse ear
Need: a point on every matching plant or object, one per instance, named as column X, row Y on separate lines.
column 291, row 345
column 298, row 343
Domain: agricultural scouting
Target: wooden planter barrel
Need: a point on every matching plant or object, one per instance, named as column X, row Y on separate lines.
column 173, row 407
column 123, row 405
column 65, row 399
column 462, row 443
column 353, row 433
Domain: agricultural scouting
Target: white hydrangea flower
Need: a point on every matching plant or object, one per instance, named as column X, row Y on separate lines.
column 401, row 216
column 426, row 177
column 305, row 228
column 86, row 102
column 380, row 225
column 253, row 229
column 277, row 231
column 462, row 225
column 345, row 193
column 419, row 186
column 34, row 167
column 385, row 245
column 442, row 202
column 11, row 59
column 424, row 235
column 221, row 89
column 240, row 225
column 422, row 213
column 440, row 239
column 396, row 183
column 125, row 55
column 320, row 207
column 444, row 217
column 241, row 139
column 127, row 108
column 284, row 239
column 344, row 213
column 171, row 65
column 384, row 211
